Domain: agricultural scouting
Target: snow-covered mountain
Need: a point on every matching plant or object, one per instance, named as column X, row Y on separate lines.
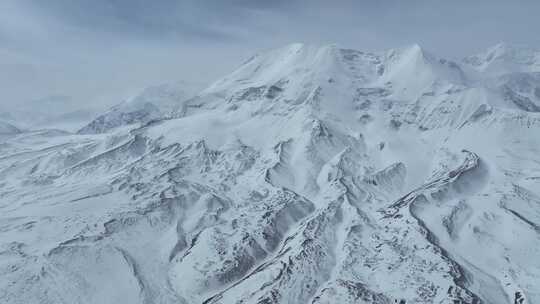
column 513, row 72
column 153, row 103
column 505, row 58
column 308, row 175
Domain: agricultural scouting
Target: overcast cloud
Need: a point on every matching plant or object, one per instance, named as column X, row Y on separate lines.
column 103, row 50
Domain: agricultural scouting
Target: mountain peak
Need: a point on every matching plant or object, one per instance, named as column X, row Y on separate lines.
column 413, row 53
column 415, row 47
column 153, row 102
column 276, row 64
column 512, row 51
column 505, row 58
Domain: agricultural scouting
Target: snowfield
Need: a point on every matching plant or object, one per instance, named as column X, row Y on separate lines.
column 308, row 175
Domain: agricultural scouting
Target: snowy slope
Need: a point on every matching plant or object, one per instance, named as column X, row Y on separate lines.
column 308, row 175
column 506, row 58
column 153, row 103
column 512, row 72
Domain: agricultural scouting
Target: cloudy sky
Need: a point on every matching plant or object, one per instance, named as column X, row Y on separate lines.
column 101, row 50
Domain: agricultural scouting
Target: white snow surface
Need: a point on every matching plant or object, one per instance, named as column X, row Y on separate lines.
column 153, row 103
column 309, row 175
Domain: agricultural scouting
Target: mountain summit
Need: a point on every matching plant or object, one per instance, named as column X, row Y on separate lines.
column 506, row 58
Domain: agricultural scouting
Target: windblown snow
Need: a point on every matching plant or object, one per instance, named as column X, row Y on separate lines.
column 308, row 175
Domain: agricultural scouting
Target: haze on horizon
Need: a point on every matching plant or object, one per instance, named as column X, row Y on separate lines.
column 97, row 52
